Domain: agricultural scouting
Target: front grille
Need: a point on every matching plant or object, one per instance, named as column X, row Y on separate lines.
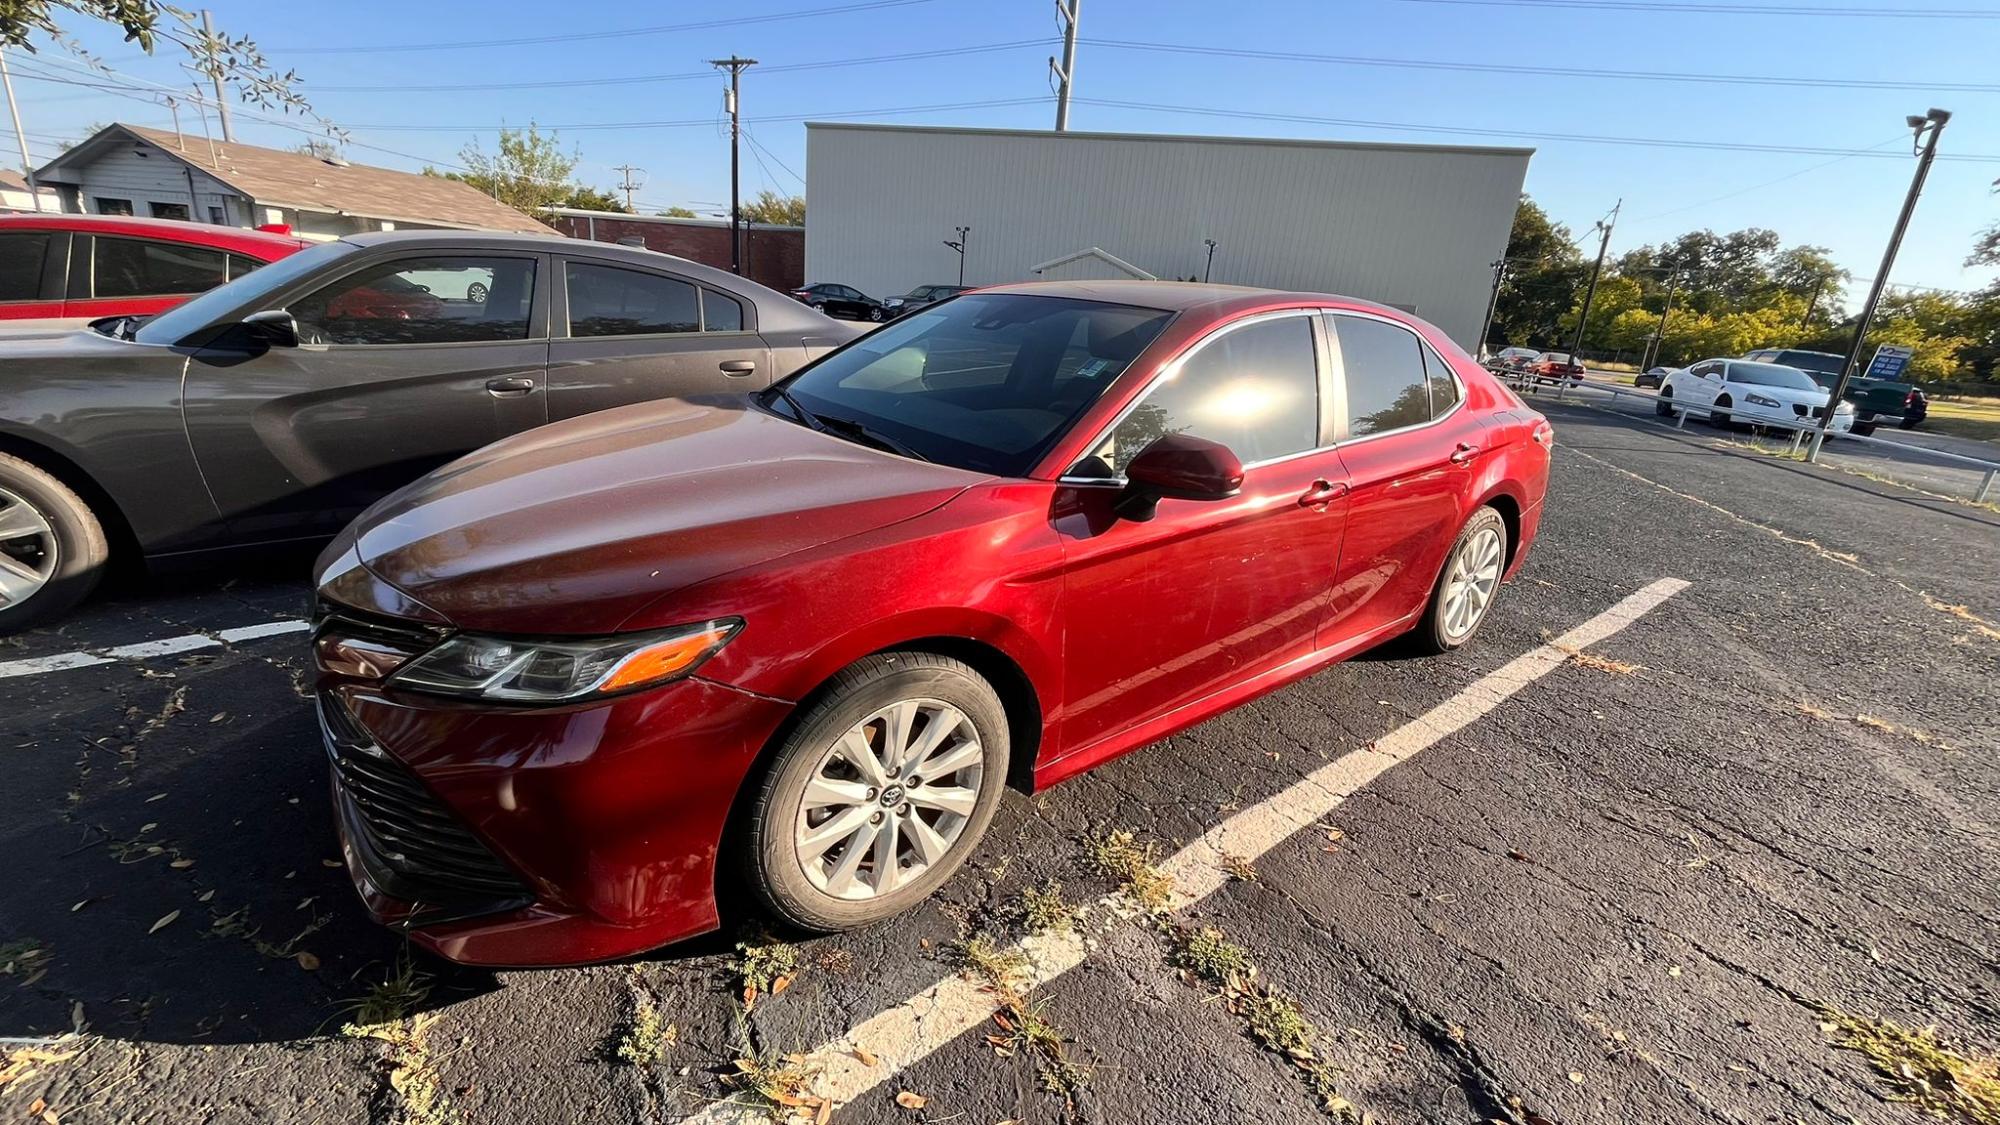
column 409, row 842
column 1804, row 411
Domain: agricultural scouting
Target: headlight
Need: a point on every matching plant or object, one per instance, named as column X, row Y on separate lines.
column 560, row 670
column 1845, row 407
column 1760, row 400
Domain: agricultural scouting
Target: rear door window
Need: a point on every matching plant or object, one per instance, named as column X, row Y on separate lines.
column 1388, row 387
column 22, row 257
column 607, row 301
column 132, row 267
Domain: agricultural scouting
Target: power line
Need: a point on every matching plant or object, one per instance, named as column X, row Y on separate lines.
column 575, row 37
column 1515, row 69
column 1519, row 134
column 1660, row 6
column 757, row 144
column 693, row 122
column 1896, row 140
column 691, row 75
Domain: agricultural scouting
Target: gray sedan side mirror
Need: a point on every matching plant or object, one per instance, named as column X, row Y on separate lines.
column 275, row 327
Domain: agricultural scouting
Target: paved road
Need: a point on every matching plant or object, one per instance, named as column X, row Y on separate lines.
column 1612, row 889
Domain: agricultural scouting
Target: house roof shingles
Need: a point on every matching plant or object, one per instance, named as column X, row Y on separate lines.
column 276, row 178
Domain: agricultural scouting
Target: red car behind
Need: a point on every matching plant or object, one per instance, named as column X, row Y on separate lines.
column 804, row 638
column 73, row 269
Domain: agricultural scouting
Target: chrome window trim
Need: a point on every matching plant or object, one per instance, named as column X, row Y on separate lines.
column 1350, row 439
column 1168, row 371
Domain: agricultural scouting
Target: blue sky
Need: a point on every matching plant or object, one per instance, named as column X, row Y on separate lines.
column 1844, row 204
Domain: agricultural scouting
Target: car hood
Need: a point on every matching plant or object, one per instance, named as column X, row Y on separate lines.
column 573, row 527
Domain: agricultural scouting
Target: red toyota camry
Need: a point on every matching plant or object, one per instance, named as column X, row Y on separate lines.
column 803, row 639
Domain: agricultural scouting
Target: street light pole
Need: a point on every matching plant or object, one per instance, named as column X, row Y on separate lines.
column 1589, row 295
column 1492, row 304
column 960, row 247
column 1925, row 131
column 1070, row 11
column 14, row 109
column 1206, row 269
column 736, row 67
column 1660, row 333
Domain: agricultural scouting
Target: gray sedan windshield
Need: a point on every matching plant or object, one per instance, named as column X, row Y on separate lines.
column 177, row 323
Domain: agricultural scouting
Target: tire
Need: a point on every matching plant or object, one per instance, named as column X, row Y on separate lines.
column 1664, row 404
column 60, row 555
column 843, row 889
column 1908, row 422
column 875, row 314
column 1863, row 429
column 1435, row 634
column 477, row 293
column 1720, row 420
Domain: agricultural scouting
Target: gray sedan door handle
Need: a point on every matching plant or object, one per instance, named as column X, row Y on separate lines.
column 510, row 386
column 737, row 368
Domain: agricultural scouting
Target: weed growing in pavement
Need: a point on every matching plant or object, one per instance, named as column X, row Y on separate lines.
column 1270, row 1017
column 1119, row 857
column 25, row 958
column 1045, row 910
column 1004, row 971
column 765, row 967
column 387, row 1015
column 1920, row 1068
column 777, row 1084
column 648, row 1035
column 1238, row 867
column 1210, row 955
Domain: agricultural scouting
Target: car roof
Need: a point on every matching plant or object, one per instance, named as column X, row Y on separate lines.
column 170, row 230
column 1210, row 299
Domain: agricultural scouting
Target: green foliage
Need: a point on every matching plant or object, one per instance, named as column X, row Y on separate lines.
column 1544, row 280
column 529, row 173
column 677, row 213
column 780, row 210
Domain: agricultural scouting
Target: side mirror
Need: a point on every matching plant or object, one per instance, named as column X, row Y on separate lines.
column 273, row 327
column 1178, row 467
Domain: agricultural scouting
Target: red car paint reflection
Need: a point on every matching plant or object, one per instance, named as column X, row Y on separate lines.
column 584, row 830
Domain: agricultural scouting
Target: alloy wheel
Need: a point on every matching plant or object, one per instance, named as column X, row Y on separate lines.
column 1475, row 574
column 890, row 798
column 29, row 552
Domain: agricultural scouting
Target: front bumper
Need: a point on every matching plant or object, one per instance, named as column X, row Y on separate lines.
column 546, row 836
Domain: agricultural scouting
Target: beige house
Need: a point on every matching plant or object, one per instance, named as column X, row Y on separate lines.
column 156, row 173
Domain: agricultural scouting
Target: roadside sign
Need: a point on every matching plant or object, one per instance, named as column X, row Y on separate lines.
column 1889, row 362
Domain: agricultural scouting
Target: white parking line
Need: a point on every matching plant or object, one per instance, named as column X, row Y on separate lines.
column 909, row 1032
column 146, row 650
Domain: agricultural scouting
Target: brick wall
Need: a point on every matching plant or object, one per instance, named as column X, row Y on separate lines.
column 773, row 257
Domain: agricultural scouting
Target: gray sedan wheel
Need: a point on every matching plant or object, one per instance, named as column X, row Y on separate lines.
column 52, row 548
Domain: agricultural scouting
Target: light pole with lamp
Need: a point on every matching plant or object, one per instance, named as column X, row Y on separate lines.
column 1211, row 260
column 960, row 247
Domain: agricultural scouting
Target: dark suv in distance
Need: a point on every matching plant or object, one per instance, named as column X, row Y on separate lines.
column 276, row 407
column 842, row 300
column 1875, row 400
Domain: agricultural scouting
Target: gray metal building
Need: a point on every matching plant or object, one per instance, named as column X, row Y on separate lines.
column 1416, row 226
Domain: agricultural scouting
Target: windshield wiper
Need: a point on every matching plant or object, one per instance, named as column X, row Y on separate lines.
column 811, row 420
column 868, row 437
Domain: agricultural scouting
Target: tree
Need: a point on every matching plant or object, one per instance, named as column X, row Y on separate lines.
column 1986, row 251
column 529, row 173
column 779, row 210
column 1545, row 274
column 233, row 61
column 321, row 148
column 677, row 212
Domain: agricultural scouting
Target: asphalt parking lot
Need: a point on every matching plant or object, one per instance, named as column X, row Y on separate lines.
column 1627, row 858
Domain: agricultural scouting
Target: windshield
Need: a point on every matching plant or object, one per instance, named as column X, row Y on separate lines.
column 1771, row 375
column 1824, row 363
column 987, row 382
column 177, row 323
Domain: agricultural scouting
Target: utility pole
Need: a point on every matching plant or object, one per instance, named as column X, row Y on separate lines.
column 628, row 187
column 1604, row 226
column 960, row 247
column 1066, row 72
column 14, row 111
column 1492, row 303
column 735, row 66
column 215, row 75
column 1805, row 322
column 1210, row 265
column 1924, row 131
column 1660, row 333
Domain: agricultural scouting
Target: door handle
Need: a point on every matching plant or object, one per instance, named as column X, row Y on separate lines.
column 737, row 368
column 1322, row 493
column 510, row 386
column 1464, row 454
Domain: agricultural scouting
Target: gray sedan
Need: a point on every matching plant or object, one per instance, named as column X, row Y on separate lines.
column 276, row 407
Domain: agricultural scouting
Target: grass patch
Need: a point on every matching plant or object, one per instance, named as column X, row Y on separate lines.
column 1209, row 954
column 1977, row 420
column 1001, row 967
column 1004, row 971
column 1045, row 910
column 1122, row 858
column 764, row 967
column 777, row 1084
column 409, row 1073
column 1920, row 1068
column 1604, row 663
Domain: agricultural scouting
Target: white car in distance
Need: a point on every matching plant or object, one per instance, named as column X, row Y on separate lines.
column 1733, row 392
